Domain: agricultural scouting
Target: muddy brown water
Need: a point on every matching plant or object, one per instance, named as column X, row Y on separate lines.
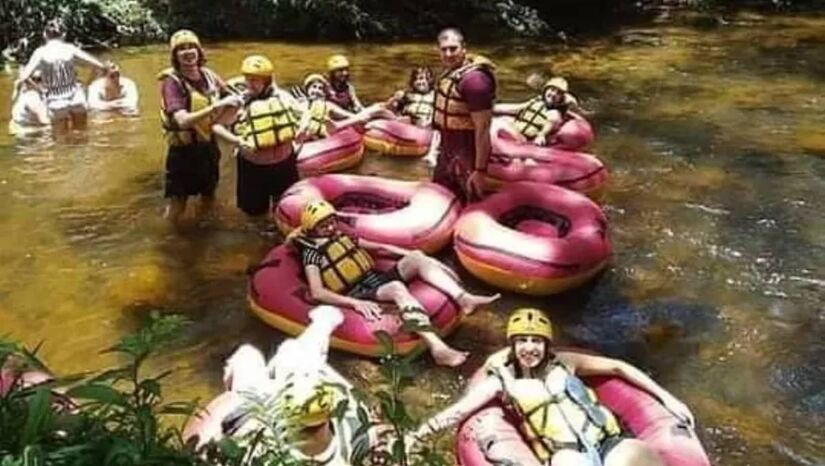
column 714, row 139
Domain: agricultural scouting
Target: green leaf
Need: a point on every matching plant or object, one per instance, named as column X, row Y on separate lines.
column 100, row 393
column 38, row 417
column 384, row 338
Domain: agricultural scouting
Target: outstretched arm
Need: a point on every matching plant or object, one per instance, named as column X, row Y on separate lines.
column 586, row 364
column 474, row 399
column 374, row 245
column 509, row 109
column 88, row 59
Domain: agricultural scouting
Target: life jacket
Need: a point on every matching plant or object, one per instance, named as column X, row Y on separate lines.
column 342, row 98
column 532, row 118
column 451, row 111
column 558, row 410
column 318, row 111
column 345, row 263
column 419, row 107
column 266, row 121
column 200, row 131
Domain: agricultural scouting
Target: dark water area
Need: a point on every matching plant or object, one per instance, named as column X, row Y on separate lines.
column 713, row 136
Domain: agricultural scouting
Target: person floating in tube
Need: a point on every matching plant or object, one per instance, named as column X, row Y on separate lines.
column 537, row 119
column 320, row 116
column 340, row 271
column 340, row 91
column 416, row 104
column 561, row 419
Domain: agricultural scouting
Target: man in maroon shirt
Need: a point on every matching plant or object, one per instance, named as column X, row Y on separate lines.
column 190, row 103
column 463, row 111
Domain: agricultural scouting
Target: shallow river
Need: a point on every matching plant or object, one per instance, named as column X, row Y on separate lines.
column 714, row 138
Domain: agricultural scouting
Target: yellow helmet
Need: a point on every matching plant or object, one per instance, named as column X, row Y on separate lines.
column 558, row 82
column 316, row 410
column 183, row 36
column 336, row 62
column 314, row 213
column 529, row 321
column 257, row 65
column 314, row 77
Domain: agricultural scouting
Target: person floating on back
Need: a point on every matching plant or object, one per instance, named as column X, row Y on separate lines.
column 340, row 271
column 537, row 119
column 114, row 93
column 28, row 110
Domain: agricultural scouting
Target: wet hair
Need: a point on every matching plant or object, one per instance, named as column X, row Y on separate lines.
column 541, row 368
column 451, row 32
column 173, row 57
column 418, row 70
column 54, row 29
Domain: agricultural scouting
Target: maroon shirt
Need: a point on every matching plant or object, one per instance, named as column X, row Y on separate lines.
column 458, row 147
column 478, row 88
column 176, row 98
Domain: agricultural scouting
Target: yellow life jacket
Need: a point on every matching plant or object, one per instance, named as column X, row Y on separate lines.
column 451, row 111
column 267, row 121
column 558, row 411
column 532, row 118
column 318, row 111
column 344, row 265
column 200, row 131
column 419, row 107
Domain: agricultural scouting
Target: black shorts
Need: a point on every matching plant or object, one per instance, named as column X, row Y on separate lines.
column 260, row 185
column 192, row 170
column 372, row 280
column 609, row 443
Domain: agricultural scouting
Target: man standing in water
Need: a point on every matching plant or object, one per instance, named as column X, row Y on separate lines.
column 190, row 103
column 463, row 111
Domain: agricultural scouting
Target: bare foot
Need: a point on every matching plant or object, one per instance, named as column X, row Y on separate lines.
column 449, row 357
column 469, row 302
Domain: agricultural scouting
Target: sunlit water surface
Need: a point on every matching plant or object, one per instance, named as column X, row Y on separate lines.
column 714, row 139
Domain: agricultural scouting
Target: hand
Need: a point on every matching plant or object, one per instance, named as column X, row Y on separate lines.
column 245, row 148
column 370, row 310
column 680, row 410
column 475, row 184
column 540, row 140
column 231, row 100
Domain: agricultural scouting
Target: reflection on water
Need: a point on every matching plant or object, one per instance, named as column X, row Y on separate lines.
column 713, row 139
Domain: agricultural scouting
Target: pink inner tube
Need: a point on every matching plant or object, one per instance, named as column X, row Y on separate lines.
column 641, row 415
column 512, row 160
column 337, row 151
column 410, row 214
column 574, row 134
column 279, row 295
column 398, row 132
column 11, row 376
column 534, row 230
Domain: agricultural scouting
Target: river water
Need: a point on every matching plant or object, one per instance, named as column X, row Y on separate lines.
column 714, row 138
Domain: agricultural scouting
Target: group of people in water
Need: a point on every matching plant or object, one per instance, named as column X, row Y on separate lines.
column 266, row 126
column 48, row 96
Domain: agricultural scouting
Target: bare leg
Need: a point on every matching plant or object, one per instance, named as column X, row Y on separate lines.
column 79, row 119
column 432, row 154
column 437, row 274
column 206, row 205
column 632, row 452
column 175, row 208
column 442, row 353
column 61, row 125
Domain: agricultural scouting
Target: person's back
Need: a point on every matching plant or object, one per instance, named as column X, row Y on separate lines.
column 57, row 67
